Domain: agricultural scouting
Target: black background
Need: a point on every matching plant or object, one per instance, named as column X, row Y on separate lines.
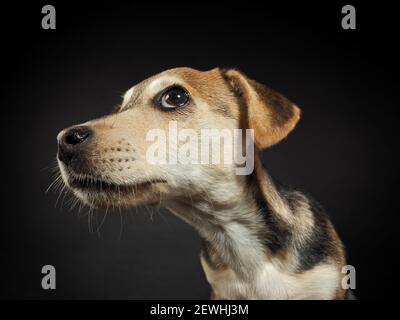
column 342, row 152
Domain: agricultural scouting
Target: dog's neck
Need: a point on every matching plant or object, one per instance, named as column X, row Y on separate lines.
column 231, row 226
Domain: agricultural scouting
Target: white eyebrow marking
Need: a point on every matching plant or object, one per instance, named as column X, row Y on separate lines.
column 161, row 83
column 151, row 89
column 127, row 96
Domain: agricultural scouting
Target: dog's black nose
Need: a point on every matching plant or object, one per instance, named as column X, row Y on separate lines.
column 77, row 135
column 71, row 141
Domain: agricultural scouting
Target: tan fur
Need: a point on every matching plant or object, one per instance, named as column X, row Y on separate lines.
column 212, row 198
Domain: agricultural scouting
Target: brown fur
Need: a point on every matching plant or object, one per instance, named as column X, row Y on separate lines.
column 227, row 223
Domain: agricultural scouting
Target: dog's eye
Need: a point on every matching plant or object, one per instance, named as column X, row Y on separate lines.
column 174, row 97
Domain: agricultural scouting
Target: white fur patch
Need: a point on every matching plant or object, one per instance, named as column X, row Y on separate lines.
column 160, row 83
column 319, row 283
column 127, row 96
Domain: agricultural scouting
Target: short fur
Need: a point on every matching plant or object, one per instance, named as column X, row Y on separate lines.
column 260, row 240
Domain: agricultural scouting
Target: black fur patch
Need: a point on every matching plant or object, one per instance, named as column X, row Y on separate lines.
column 320, row 244
column 277, row 235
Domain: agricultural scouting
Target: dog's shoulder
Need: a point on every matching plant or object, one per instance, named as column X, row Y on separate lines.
column 321, row 241
column 312, row 236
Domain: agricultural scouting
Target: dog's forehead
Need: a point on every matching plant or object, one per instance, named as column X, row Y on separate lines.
column 197, row 80
column 208, row 87
column 189, row 76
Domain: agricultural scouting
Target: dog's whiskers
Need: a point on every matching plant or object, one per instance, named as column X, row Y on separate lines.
column 102, row 221
column 55, row 182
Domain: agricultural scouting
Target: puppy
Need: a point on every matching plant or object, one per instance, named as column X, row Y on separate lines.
column 260, row 241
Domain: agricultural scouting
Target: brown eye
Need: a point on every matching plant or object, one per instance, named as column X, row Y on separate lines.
column 174, row 98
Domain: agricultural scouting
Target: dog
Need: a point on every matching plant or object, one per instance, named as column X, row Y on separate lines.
column 259, row 240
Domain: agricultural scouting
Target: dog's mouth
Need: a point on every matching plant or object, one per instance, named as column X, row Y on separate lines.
column 93, row 184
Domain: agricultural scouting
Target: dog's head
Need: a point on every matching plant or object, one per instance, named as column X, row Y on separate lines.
column 134, row 155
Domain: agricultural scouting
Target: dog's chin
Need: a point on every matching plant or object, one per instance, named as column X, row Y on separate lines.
column 101, row 194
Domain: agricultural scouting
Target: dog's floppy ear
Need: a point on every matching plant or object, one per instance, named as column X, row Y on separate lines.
column 269, row 114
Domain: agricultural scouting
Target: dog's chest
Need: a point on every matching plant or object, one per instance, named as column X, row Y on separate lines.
column 269, row 283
